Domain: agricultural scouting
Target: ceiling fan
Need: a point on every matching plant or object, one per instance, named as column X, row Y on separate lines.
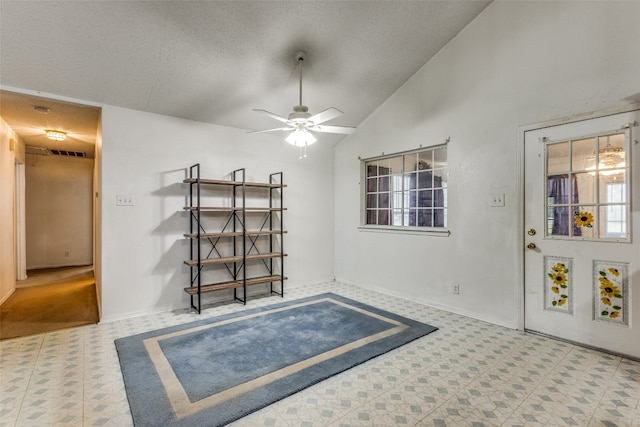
column 301, row 123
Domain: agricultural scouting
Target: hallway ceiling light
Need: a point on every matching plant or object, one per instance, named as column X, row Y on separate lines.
column 56, row 135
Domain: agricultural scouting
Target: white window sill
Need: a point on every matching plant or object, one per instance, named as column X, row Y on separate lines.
column 439, row 232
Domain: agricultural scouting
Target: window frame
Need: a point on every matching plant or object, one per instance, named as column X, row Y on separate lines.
column 364, row 193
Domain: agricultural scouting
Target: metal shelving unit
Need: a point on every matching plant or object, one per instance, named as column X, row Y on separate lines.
column 244, row 241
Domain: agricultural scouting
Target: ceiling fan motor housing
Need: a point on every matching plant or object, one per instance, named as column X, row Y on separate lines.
column 300, row 114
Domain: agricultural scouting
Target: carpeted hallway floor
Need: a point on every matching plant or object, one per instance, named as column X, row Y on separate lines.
column 51, row 301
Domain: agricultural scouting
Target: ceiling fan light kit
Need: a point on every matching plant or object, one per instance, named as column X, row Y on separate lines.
column 301, row 124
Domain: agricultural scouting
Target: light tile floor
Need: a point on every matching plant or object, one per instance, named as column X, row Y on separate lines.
column 469, row 373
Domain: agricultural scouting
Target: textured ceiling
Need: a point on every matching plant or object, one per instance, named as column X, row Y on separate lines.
column 213, row 61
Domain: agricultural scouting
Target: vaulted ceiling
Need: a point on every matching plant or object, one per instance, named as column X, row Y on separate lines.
column 214, row 61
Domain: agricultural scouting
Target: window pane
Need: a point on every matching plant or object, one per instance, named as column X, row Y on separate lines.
column 439, row 218
column 372, row 184
column 383, row 200
column 424, row 217
column 395, row 165
column 371, row 216
column 383, row 217
column 412, row 199
column 558, row 158
column 410, row 162
column 440, row 178
column 425, row 179
column 425, row 199
column 584, row 188
column 440, row 158
column 413, row 216
column 397, row 217
column 583, row 155
column 425, row 160
column 438, row 199
column 372, row 201
column 383, row 183
column 372, row 168
column 411, row 181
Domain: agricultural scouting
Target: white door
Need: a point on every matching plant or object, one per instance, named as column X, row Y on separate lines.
column 582, row 232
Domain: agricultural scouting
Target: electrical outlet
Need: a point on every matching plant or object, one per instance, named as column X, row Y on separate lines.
column 456, row 289
column 497, row 200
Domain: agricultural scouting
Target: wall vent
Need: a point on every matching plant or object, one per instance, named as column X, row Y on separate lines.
column 41, row 151
column 68, row 153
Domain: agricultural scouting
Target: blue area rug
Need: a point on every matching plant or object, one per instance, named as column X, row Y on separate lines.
column 215, row 371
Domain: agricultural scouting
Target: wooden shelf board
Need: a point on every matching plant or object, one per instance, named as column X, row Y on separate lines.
column 232, row 209
column 233, row 234
column 233, row 183
column 193, row 290
column 230, row 259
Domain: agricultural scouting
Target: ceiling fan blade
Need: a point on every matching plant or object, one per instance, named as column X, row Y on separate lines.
column 326, row 115
column 333, row 129
column 273, row 116
column 270, row 130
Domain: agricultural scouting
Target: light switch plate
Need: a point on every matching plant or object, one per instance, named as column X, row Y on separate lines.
column 125, row 201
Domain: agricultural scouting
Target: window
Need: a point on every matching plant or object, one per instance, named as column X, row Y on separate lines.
column 588, row 187
column 407, row 190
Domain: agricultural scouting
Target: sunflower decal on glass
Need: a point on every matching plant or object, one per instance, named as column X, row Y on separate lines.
column 558, row 287
column 583, row 219
column 611, row 290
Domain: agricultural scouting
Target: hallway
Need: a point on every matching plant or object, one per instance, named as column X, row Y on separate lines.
column 50, row 300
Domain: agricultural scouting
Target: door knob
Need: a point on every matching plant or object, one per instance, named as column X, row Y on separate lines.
column 531, row 232
column 531, row 246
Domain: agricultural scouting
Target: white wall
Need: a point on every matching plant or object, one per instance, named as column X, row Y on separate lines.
column 518, row 63
column 59, row 211
column 11, row 151
column 147, row 156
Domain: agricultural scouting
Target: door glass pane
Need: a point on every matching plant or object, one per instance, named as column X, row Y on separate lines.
column 439, row 178
column 613, row 221
column 584, row 221
column 558, row 158
column 585, row 188
column 413, row 217
column 611, row 152
column 558, row 189
column 583, row 154
column 372, row 168
column 558, row 221
column 613, row 186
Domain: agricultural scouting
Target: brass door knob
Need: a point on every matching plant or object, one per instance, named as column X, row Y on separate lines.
column 531, row 246
column 531, row 232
